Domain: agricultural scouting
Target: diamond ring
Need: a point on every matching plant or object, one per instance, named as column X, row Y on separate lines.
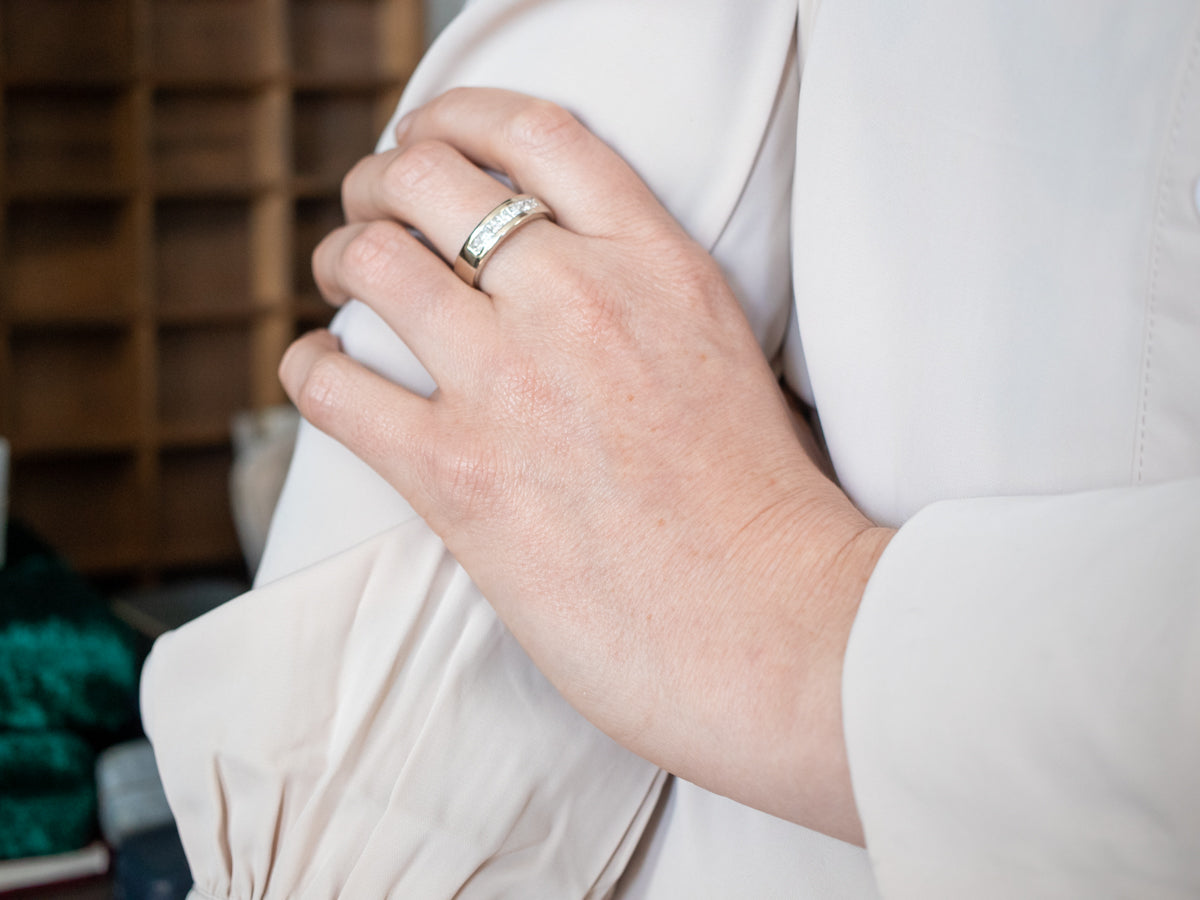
column 491, row 232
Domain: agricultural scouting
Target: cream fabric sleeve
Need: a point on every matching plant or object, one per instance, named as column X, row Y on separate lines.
column 1022, row 699
column 997, row 257
column 368, row 728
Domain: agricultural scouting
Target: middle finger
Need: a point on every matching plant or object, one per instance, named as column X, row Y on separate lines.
column 446, row 324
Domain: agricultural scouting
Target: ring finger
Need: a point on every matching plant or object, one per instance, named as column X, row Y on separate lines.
column 433, row 188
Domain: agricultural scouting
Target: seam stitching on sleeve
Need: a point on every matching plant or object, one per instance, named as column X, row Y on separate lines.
column 1162, row 199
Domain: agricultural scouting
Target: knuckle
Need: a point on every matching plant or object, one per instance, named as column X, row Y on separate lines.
column 541, row 127
column 368, row 253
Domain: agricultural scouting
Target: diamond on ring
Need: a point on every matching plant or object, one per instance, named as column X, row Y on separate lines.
column 495, row 227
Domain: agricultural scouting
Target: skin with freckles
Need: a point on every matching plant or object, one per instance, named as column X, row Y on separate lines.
column 607, row 454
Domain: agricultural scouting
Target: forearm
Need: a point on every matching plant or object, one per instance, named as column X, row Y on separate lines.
column 742, row 679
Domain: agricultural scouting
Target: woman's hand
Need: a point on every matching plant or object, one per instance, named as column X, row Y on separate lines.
column 607, row 454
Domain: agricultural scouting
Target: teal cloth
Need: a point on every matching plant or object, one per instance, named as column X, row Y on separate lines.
column 47, row 793
column 68, row 686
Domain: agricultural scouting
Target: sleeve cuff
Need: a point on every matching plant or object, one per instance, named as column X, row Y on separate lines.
column 1021, row 697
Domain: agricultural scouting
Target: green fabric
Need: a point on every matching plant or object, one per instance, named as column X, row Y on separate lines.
column 68, row 685
column 65, row 661
column 47, row 793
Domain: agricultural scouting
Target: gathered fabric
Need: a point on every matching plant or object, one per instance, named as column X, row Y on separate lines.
column 367, row 727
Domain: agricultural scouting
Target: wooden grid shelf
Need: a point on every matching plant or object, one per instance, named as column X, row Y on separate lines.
column 167, row 168
column 68, row 258
column 91, row 501
column 67, row 41
column 220, row 42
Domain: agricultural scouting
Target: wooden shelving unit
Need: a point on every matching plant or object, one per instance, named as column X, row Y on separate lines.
column 167, row 168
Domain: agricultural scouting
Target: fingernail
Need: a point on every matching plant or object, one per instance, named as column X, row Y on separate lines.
column 404, row 126
column 284, row 371
column 297, row 356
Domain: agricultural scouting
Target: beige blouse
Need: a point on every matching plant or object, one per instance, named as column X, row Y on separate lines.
column 968, row 232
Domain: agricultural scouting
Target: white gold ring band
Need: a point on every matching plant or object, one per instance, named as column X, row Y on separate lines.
column 493, row 229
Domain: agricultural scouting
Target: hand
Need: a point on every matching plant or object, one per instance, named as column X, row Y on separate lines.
column 607, row 454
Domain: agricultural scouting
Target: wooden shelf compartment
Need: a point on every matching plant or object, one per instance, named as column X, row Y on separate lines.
column 194, row 521
column 311, row 312
column 212, row 42
column 204, row 377
column 166, row 168
column 202, row 259
column 74, row 389
column 194, row 436
column 63, row 141
column 66, row 41
column 69, row 261
column 64, row 448
column 210, row 140
column 331, row 132
column 313, row 219
column 98, row 322
column 89, row 507
column 351, row 40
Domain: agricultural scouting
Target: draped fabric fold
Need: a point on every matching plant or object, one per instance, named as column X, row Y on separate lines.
column 368, row 728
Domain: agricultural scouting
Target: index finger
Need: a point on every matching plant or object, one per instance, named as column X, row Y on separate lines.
column 544, row 150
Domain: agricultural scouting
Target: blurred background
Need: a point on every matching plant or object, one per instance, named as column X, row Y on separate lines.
column 167, row 168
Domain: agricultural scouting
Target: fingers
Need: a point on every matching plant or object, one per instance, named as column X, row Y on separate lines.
column 430, row 186
column 445, row 323
column 544, row 151
column 435, row 189
column 378, row 421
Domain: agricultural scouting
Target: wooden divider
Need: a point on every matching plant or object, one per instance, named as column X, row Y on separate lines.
column 167, row 168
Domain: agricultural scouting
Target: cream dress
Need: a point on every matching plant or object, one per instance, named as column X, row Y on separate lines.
column 968, row 232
